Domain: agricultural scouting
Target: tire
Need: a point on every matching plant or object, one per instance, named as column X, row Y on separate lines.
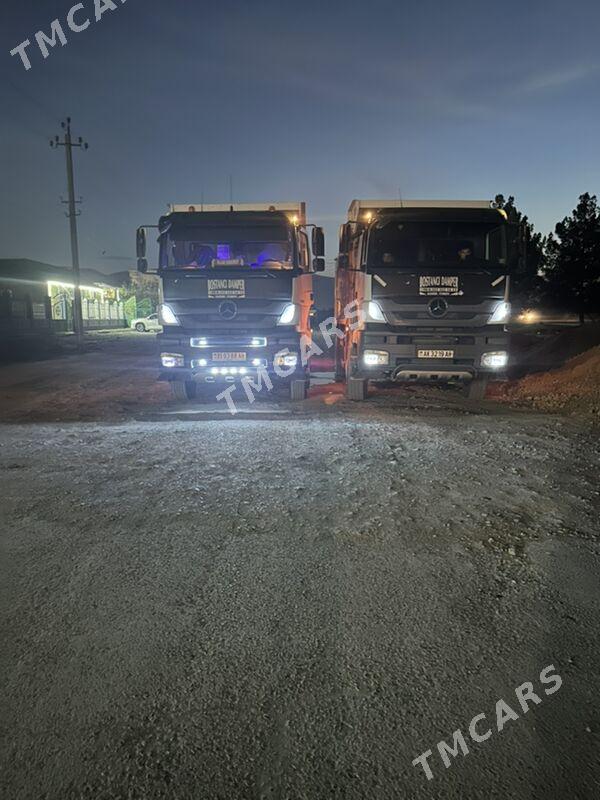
column 357, row 389
column 140, row 327
column 477, row 388
column 298, row 391
column 183, row 390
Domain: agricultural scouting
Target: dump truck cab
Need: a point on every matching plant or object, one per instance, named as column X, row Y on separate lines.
column 236, row 295
column 431, row 282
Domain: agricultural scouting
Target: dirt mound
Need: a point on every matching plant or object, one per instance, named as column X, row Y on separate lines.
column 538, row 354
column 572, row 388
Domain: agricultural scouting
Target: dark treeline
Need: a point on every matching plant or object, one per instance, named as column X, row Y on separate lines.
column 562, row 270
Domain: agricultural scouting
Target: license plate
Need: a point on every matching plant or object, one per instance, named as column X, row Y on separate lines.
column 435, row 353
column 229, row 356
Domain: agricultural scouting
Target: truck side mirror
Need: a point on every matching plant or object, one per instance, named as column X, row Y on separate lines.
column 140, row 243
column 518, row 236
column 318, row 242
column 319, row 264
column 142, row 265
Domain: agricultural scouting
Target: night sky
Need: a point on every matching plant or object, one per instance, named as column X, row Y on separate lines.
column 320, row 102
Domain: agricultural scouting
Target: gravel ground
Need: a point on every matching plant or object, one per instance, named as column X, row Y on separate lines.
column 298, row 607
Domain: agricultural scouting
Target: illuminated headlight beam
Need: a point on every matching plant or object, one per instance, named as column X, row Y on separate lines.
column 166, row 315
column 501, row 314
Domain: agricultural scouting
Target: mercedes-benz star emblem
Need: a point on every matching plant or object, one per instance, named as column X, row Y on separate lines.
column 438, row 307
column 228, row 310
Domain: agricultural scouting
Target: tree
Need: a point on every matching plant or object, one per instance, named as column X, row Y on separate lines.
column 527, row 280
column 573, row 268
column 140, row 293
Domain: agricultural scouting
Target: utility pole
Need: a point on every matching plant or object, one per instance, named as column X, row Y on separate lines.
column 72, row 214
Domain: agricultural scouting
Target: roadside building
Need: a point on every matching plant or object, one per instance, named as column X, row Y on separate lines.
column 39, row 297
column 36, row 302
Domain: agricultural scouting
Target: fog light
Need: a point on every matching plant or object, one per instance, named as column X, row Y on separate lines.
column 203, row 362
column 256, row 362
column 285, row 360
column 376, row 358
column 243, row 370
column 224, row 371
column 172, row 360
column 497, row 359
column 214, row 371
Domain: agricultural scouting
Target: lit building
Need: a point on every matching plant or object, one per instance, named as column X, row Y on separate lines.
column 38, row 298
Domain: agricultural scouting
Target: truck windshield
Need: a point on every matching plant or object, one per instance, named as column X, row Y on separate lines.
column 259, row 247
column 394, row 243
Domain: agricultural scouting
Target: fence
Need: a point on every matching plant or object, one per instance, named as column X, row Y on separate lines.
column 24, row 317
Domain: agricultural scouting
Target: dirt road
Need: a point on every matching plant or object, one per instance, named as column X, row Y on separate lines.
column 297, row 606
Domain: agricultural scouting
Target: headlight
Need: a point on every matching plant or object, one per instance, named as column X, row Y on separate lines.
column 288, row 316
column 501, row 314
column 529, row 317
column 285, row 360
column 172, row 360
column 497, row 359
column 374, row 312
column 376, row 358
column 167, row 317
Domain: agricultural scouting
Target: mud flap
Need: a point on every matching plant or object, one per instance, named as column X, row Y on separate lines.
column 298, row 390
column 357, row 389
column 476, row 389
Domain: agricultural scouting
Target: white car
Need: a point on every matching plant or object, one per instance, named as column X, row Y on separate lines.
column 144, row 324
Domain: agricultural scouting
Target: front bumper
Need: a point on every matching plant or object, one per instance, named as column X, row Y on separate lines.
column 199, row 364
column 404, row 363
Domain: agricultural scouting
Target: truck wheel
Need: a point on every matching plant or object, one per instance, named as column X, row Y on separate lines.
column 183, row 390
column 477, row 388
column 298, row 391
column 140, row 327
column 357, row 389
